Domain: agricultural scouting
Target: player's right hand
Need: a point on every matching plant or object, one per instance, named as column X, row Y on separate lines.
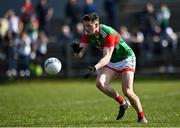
column 76, row 48
column 91, row 72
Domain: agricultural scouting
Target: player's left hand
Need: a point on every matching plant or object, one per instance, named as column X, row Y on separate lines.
column 91, row 72
column 76, row 48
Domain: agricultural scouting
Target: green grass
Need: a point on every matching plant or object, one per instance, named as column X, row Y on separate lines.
column 78, row 103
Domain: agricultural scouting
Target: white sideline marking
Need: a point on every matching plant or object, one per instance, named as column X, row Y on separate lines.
column 161, row 95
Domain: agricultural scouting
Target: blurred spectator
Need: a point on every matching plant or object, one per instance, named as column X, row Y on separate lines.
column 33, row 26
column 110, row 7
column 149, row 27
column 11, row 51
column 148, row 19
column 49, row 16
column 24, row 51
column 169, row 37
column 66, row 35
column 4, row 27
column 169, row 50
column 15, row 27
column 41, row 48
column 137, row 39
column 15, row 24
column 126, row 35
column 26, row 10
column 44, row 14
column 78, row 31
column 89, row 7
column 73, row 12
column 164, row 17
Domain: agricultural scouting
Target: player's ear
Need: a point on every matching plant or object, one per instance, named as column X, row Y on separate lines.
column 96, row 24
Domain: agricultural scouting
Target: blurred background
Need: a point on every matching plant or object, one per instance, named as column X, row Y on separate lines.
column 33, row 30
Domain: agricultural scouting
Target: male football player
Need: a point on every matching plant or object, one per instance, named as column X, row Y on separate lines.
column 118, row 60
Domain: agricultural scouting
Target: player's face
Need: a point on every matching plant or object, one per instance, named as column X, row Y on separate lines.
column 91, row 27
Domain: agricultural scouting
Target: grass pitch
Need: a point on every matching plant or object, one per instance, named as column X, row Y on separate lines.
column 77, row 103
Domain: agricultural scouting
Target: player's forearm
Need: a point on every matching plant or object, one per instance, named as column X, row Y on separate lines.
column 104, row 61
column 107, row 53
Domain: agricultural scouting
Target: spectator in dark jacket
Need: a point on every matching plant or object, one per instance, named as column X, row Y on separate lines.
column 72, row 11
column 44, row 14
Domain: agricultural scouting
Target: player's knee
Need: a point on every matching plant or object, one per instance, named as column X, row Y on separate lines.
column 128, row 93
column 100, row 84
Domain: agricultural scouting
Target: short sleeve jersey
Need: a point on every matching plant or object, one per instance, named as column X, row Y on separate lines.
column 108, row 37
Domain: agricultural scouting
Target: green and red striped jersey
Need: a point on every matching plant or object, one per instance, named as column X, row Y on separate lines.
column 108, row 37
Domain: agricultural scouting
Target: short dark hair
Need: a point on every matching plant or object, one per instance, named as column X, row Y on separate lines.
column 90, row 17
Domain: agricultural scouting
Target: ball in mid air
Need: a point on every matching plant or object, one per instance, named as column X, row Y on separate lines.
column 52, row 66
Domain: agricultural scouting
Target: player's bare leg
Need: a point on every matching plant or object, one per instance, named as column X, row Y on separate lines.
column 127, row 87
column 103, row 84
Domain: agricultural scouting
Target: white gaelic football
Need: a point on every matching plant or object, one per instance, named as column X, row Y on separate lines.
column 52, row 66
